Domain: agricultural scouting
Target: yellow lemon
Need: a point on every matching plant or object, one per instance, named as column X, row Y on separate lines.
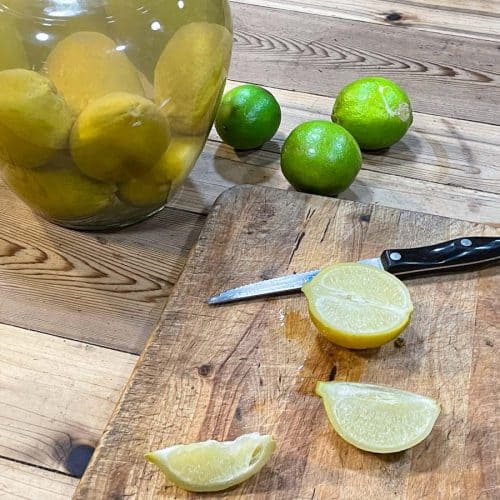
column 88, row 65
column 377, row 418
column 34, row 120
column 177, row 161
column 62, row 194
column 143, row 192
column 213, row 465
column 190, row 75
column 154, row 187
column 119, row 136
column 358, row 306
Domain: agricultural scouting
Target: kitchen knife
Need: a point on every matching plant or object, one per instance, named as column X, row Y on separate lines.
column 450, row 256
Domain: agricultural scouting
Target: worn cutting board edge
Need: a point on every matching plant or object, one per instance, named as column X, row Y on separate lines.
column 96, row 482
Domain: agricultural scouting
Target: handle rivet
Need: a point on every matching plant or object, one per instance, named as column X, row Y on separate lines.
column 466, row 242
column 395, row 256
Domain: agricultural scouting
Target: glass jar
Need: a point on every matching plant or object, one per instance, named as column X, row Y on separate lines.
column 105, row 105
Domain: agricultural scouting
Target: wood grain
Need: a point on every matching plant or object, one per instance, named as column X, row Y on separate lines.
column 218, row 372
column 475, row 19
column 19, row 481
column 445, row 75
column 55, row 394
column 106, row 289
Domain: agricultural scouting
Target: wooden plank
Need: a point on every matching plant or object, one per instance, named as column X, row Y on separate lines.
column 19, row 481
column 104, row 288
column 443, row 150
column 475, row 19
column 220, row 167
column 445, row 75
column 218, row 372
column 56, row 394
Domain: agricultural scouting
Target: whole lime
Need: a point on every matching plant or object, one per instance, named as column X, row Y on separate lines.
column 376, row 111
column 320, row 157
column 248, row 117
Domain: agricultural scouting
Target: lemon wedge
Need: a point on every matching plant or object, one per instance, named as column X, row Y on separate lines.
column 214, row 465
column 358, row 306
column 377, row 418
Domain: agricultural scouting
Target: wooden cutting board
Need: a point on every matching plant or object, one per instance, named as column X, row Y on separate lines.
column 218, row 372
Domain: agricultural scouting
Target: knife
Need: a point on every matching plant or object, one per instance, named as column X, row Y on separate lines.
column 450, row 256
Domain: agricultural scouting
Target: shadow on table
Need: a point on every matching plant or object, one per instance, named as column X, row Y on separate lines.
column 255, row 166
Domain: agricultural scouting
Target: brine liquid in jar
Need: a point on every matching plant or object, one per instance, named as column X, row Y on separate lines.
column 105, row 105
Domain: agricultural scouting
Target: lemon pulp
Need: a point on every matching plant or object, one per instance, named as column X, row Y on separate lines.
column 213, row 465
column 358, row 306
column 377, row 418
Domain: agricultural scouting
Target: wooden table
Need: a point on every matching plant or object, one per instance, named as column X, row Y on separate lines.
column 76, row 308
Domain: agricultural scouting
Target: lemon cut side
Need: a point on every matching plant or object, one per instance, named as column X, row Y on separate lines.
column 358, row 306
column 377, row 418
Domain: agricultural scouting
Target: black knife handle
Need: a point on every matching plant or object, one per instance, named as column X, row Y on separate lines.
column 455, row 255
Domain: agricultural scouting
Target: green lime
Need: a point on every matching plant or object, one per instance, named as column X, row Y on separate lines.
column 248, row 117
column 320, row 157
column 376, row 111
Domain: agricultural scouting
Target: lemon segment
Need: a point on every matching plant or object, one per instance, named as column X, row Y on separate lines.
column 214, row 465
column 377, row 418
column 358, row 306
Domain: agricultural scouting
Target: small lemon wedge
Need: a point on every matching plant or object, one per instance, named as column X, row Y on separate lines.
column 358, row 306
column 214, row 465
column 377, row 418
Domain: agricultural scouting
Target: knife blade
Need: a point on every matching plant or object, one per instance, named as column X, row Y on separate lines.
column 449, row 256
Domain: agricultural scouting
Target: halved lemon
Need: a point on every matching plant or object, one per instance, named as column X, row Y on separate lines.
column 358, row 306
column 377, row 418
column 214, row 465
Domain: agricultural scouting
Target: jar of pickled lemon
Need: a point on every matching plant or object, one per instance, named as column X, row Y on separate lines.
column 105, row 105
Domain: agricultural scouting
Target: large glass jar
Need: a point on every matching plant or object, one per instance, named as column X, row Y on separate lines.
column 105, row 105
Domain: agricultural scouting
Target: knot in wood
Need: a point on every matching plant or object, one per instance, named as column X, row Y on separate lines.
column 205, row 370
column 393, row 16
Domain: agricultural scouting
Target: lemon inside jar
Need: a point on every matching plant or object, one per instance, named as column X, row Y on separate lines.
column 62, row 194
column 119, row 136
column 136, row 92
column 199, row 52
column 168, row 173
column 34, row 120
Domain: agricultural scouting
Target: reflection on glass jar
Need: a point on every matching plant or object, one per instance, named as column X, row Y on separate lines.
column 106, row 104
